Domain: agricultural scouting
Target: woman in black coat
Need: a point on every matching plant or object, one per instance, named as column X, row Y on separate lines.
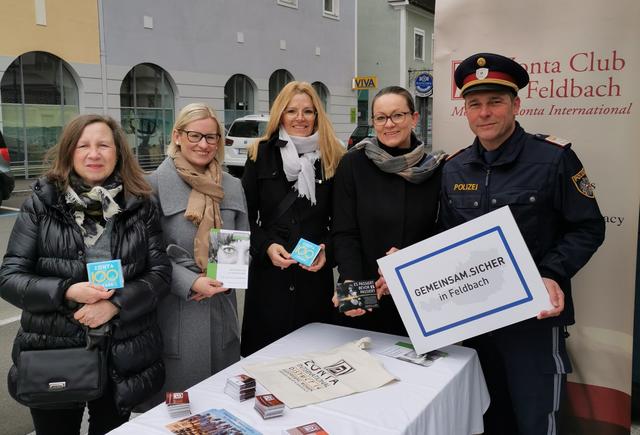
column 92, row 205
column 288, row 181
column 385, row 196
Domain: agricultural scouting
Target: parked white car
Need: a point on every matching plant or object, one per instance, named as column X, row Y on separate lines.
column 241, row 134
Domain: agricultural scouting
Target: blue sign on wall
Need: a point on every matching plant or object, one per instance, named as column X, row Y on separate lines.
column 424, row 85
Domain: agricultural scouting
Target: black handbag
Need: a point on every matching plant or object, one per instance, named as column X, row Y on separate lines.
column 55, row 377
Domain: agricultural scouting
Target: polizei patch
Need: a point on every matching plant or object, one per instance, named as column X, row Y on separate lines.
column 583, row 184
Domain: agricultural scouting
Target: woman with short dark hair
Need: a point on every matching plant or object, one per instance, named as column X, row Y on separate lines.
column 385, row 196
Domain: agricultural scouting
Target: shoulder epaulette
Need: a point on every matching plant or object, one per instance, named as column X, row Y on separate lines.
column 456, row 153
column 555, row 140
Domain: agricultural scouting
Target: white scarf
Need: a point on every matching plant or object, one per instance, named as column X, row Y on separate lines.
column 301, row 168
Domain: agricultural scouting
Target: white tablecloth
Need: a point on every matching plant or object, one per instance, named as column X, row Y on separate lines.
column 447, row 398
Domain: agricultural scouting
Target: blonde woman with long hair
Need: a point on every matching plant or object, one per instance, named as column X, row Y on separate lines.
column 288, row 181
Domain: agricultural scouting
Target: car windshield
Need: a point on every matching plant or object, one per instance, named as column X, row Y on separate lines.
column 361, row 130
column 248, row 128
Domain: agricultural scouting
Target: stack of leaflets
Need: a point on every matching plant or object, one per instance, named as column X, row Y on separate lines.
column 356, row 294
column 268, row 406
column 178, row 404
column 240, row 387
column 306, row 429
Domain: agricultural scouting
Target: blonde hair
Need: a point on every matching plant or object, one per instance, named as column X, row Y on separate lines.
column 195, row 112
column 331, row 150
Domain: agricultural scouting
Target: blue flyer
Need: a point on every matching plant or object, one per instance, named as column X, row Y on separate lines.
column 106, row 273
column 305, row 252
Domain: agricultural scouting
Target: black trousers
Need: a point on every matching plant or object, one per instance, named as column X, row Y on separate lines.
column 103, row 417
column 525, row 370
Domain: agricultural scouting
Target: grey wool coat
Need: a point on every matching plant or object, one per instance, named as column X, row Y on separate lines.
column 200, row 338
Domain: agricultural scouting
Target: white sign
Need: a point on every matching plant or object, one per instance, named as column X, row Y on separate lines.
column 472, row 279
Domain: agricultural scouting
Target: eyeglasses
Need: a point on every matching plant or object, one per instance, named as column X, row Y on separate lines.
column 396, row 118
column 196, row 137
column 306, row 113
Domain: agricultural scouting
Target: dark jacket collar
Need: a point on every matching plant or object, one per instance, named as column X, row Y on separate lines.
column 275, row 141
column 511, row 148
column 48, row 192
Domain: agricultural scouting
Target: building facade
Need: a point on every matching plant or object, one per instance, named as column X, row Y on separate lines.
column 396, row 56
column 142, row 61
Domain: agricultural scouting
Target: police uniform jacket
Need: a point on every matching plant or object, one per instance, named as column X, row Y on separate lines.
column 279, row 301
column 547, row 190
column 46, row 255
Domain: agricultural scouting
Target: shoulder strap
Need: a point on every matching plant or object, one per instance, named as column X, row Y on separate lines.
column 282, row 207
column 555, row 140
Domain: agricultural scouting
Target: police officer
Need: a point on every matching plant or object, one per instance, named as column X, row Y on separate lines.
column 546, row 187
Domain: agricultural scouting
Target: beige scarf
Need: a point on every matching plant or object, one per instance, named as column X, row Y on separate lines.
column 203, row 208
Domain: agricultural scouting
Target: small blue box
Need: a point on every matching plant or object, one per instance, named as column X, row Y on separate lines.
column 106, row 273
column 305, row 252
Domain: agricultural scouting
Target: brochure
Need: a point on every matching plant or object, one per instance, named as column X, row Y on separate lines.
column 305, row 252
column 356, row 294
column 106, row 273
column 229, row 257
column 212, row 422
column 405, row 352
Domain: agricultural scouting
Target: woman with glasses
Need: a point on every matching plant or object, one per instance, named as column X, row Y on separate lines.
column 385, row 196
column 288, row 181
column 198, row 318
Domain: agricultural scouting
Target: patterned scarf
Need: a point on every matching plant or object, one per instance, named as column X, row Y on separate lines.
column 93, row 206
column 416, row 166
column 203, row 207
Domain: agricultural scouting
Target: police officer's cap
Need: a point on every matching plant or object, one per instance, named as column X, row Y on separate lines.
column 490, row 72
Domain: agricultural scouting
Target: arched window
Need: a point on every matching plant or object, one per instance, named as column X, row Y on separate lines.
column 278, row 79
column 39, row 96
column 147, row 112
column 322, row 92
column 238, row 98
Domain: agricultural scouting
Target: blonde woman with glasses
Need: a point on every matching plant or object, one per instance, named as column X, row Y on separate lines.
column 288, row 180
column 198, row 318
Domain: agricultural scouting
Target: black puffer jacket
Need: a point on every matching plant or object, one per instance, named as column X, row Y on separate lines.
column 45, row 256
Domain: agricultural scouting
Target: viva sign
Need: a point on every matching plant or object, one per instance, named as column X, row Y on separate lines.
column 365, row 82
